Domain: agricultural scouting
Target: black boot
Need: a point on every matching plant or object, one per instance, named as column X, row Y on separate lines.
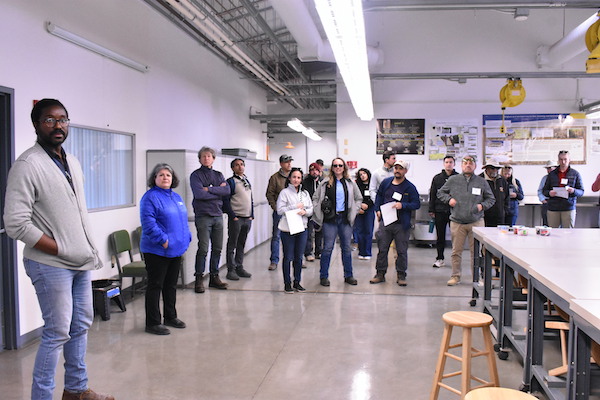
column 215, row 282
column 242, row 273
column 232, row 275
column 199, row 284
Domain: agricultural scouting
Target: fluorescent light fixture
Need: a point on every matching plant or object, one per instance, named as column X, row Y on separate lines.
column 592, row 110
column 311, row 134
column 96, row 48
column 296, row 125
column 299, row 126
column 345, row 28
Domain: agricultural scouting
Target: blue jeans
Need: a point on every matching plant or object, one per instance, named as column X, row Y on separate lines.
column 275, row 238
column 363, row 231
column 65, row 298
column 293, row 249
column 210, row 230
column 331, row 229
column 386, row 234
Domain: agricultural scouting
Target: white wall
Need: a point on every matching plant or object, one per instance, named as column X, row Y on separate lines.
column 187, row 100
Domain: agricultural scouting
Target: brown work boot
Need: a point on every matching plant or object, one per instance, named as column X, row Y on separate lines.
column 215, row 282
column 199, row 284
column 87, row 395
column 378, row 278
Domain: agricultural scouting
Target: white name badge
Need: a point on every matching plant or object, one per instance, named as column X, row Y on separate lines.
column 476, row 191
column 366, row 193
column 397, row 196
column 564, row 181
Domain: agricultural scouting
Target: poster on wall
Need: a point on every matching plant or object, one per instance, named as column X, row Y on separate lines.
column 453, row 138
column 533, row 139
column 402, row 136
column 595, row 137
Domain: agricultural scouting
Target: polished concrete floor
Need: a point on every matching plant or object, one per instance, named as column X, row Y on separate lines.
column 254, row 341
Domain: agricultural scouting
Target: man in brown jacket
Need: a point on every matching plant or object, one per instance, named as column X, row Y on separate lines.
column 276, row 185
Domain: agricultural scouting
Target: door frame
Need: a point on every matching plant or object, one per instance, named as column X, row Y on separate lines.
column 8, row 253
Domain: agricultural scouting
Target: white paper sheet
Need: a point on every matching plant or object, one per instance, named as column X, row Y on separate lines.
column 294, row 221
column 561, row 192
column 388, row 213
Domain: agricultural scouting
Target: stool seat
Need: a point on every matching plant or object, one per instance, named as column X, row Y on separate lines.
column 467, row 319
column 496, row 393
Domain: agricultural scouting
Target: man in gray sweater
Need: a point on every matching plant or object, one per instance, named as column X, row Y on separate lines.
column 469, row 196
column 45, row 209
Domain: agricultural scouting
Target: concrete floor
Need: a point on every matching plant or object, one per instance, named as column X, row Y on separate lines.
column 253, row 341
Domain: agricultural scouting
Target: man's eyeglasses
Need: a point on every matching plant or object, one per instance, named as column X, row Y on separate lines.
column 468, row 161
column 337, row 165
column 50, row 122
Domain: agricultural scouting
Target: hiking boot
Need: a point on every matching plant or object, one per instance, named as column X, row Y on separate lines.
column 242, row 273
column 455, row 280
column 350, row 280
column 401, row 280
column 87, row 395
column 378, row 278
column 199, row 284
column 215, row 282
column 232, row 274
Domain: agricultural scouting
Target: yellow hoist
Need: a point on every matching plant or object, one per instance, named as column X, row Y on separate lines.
column 511, row 95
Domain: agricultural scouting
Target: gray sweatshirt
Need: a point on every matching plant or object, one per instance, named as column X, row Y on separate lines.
column 40, row 200
column 468, row 192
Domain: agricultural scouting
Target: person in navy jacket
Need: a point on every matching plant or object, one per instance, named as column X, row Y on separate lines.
column 404, row 194
column 165, row 238
column 562, row 209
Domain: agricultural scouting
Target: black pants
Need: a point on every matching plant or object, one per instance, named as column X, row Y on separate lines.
column 162, row 278
column 236, row 241
column 442, row 220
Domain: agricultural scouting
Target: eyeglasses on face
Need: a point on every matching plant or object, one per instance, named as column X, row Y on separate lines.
column 50, row 122
column 337, row 165
column 468, row 161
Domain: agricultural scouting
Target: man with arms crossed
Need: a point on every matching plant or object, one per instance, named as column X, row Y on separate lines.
column 45, row 208
column 209, row 188
column 469, row 196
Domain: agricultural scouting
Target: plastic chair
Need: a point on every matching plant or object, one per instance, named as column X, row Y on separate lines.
column 120, row 243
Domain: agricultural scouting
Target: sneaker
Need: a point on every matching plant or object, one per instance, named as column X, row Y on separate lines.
column 272, row 267
column 439, row 263
column 455, row 280
column 318, row 256
column 310, row 258
column 361, row 257
column 298, row 288
column 288, row 288
column 366, row 257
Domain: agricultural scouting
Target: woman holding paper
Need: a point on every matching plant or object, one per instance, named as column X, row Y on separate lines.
column 295, row 206
column 337, row 203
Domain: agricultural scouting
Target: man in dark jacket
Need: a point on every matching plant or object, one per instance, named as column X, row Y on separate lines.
column 315, row 239
column 439, row 210
column 494, row 216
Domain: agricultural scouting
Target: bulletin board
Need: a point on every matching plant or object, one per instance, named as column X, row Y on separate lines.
column 402, row 136
column 533, row 139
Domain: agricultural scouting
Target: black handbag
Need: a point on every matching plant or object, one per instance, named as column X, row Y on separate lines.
column 327, row 208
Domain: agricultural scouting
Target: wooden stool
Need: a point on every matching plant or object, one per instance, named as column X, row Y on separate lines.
column 496, row 393
column 466, row 320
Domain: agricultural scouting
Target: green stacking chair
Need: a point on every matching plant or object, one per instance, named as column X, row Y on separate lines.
column 120, row 243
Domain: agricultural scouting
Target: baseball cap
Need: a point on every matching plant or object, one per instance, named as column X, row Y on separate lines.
column 315, row 166
column 403, row 164
column 285, row 158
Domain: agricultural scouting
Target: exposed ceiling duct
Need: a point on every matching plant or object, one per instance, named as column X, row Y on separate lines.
column 567, row 48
